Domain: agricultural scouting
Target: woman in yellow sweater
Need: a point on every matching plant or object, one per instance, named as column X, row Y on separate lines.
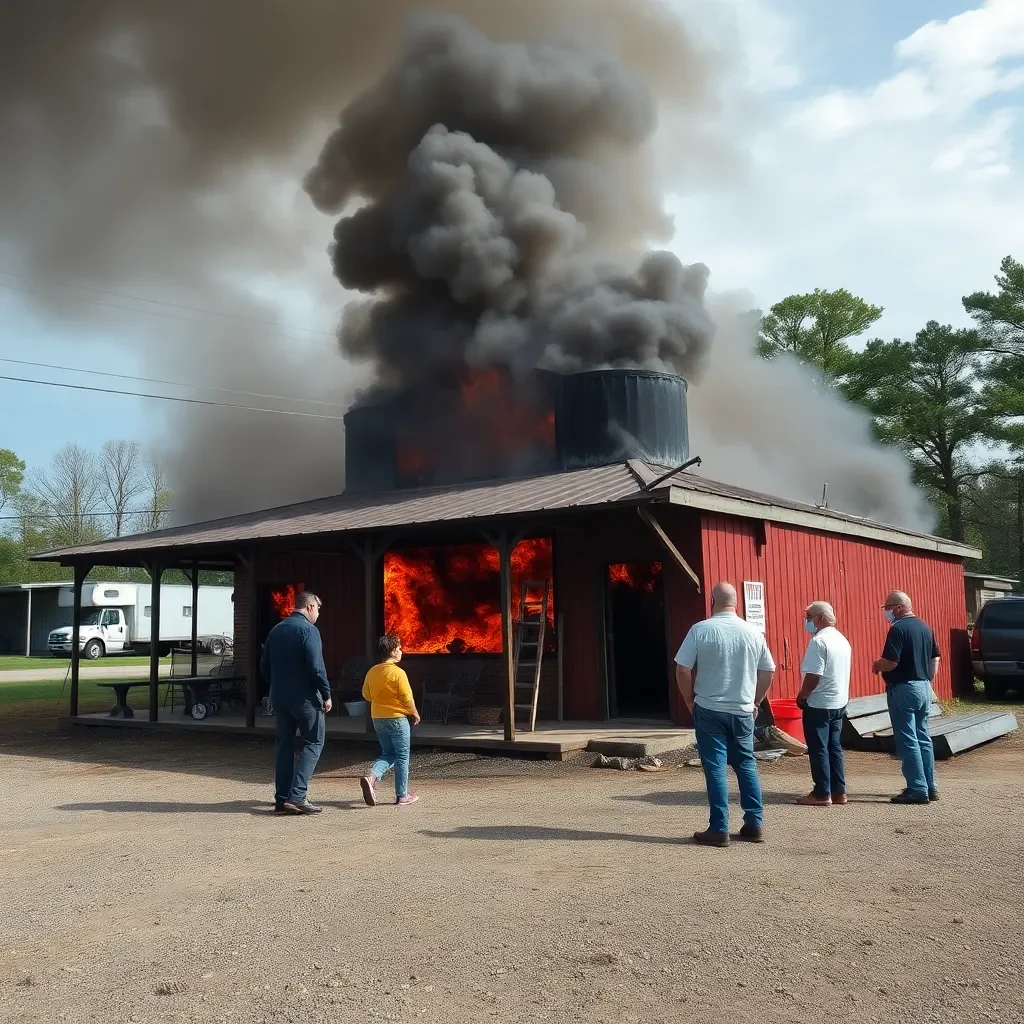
column 392, row 707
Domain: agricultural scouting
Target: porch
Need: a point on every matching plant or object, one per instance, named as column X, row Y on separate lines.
column 551, row 740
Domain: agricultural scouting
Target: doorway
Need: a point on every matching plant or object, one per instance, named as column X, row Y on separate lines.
column 637, row 652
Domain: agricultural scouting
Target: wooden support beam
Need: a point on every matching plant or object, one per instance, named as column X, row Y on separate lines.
column 155, row 570
column 195, row 619
column 81, row 571
column 505, row 543
column 252, row 655
column 648, row 517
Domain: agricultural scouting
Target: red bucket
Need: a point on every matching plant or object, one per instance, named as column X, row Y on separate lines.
column 788, row 717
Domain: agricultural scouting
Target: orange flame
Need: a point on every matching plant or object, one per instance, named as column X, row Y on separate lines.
column 635, row 574
column 284, row 600
column 445, row 600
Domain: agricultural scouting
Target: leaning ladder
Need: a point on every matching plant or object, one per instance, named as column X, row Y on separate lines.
column 529, row 649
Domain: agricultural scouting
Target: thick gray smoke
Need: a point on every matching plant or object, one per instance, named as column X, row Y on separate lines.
column 498, row 180
column 157, row 150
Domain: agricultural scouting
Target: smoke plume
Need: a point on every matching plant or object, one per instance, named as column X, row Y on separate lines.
column 497, row 183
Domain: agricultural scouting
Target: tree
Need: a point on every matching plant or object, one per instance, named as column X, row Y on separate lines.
column 71, row 491
column 816, row 328
column 924, row 399
column 159, row 496
column 994, row 505
column 123, row 480
column 1000, row 315
column 12, row 472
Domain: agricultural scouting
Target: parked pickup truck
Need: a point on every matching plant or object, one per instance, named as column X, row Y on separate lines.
column 997, row 646
column 116, row 617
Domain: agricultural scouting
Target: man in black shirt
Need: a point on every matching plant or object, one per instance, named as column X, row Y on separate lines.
column 908, row 665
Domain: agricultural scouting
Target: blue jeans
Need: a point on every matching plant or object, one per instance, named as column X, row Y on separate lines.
column 726, row 739
column 291, row 776
column 908, row 710
column 395, row 735
column 822, row 729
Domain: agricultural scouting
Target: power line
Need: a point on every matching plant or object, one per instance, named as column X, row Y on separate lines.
column 82, row 515
column 165, row 302
column 171, row 398
column 171, row 383
column 168, row 316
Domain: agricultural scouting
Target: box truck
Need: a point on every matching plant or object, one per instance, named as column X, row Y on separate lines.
column 116, row 617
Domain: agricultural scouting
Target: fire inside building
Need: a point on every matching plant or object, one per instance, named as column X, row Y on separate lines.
column 542, row 547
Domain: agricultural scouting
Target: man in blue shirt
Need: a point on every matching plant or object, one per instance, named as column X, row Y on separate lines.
column 293, row 665
column 908, row 665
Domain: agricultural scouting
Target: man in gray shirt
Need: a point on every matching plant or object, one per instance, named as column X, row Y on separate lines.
column 724, row 670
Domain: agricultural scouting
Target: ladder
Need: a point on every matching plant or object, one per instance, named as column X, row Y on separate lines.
column 529, row 646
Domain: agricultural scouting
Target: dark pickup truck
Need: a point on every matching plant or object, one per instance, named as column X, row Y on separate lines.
column 997, row 646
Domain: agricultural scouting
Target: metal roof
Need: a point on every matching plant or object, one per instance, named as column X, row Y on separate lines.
column 622, row 482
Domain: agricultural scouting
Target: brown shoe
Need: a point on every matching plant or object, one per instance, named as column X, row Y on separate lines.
column 751, row 834
column 839, row 798
column 709, row 838
column 814, row 801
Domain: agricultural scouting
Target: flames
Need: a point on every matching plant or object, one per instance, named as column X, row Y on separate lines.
column 445, row 600
column 496, row 423
column 284, row 599
column 642, row 575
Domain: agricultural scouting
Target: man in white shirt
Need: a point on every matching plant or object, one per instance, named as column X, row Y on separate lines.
column 823, row 698
column 723, row 671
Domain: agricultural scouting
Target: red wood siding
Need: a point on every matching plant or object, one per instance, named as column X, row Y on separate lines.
column 798, row 566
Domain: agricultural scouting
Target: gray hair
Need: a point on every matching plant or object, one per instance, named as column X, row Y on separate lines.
column 821, row 609
column 898, row 597
column 305, row 599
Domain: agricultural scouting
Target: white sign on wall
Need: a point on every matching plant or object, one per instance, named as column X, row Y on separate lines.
column 753, row 605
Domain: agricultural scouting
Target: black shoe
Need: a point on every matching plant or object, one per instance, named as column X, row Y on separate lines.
column 709, row 838
column 751, row 834
column 283, row 807
column 906, row 797
column 933, row 796
column 305, row 807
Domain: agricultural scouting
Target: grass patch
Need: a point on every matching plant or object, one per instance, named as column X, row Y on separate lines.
column 15, row 662
column 54, row 695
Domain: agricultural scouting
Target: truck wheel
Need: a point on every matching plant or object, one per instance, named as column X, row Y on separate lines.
column 93, row 650
column 217, row 646
column 995, row 689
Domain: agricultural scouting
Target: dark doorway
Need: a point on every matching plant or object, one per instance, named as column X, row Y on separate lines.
column 637, row 654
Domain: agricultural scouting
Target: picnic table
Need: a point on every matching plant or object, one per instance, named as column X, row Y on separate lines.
column 121, row 709
column 204, row 694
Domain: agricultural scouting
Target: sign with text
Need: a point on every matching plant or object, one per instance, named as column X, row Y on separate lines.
column 753, row 605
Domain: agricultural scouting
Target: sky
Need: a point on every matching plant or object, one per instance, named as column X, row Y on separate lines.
column 883, row 156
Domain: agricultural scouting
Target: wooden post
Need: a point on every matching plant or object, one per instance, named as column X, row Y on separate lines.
column 81, row 571
column 370, row 598
column 195, row 618
column 155, row 573
column 252, row 655
column 504, row 546
column 28, row 625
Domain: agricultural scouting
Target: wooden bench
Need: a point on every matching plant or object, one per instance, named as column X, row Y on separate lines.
column 867, row 726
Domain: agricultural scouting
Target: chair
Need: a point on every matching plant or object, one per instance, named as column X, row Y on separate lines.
column 447, row 698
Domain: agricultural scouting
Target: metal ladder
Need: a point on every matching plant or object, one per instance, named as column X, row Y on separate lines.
column 529, row 648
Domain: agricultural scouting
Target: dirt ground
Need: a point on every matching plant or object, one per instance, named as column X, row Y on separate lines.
column 146, row 880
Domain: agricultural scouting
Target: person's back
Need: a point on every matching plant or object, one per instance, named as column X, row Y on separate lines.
column 728, row 653
column 386, row 687
column 911, row 644
column 290, row 662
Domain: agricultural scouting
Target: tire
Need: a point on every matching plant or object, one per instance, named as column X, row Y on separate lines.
column 199, row 711
column 995, row 689
column 217, row 646
column 93, row 650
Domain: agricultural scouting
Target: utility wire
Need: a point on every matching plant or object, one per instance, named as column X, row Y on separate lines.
column 164, row 302
column 171, row 398
column 82, row 515
column 171, row 383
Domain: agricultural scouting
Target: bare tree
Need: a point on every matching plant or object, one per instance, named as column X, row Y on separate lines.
column 159, row 496
column 71, row 491
column 123, row 479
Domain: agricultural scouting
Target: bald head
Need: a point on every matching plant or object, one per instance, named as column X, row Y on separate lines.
column 899, row 602
column 723, row 597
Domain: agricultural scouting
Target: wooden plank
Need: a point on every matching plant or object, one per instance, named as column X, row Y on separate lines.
column 934, row 711
column 861, row 706
column 992, row 727
column 648, row 518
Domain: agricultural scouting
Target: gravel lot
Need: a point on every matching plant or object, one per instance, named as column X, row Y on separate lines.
column 146, row 880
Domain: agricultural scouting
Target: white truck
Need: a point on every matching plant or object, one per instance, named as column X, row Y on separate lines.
column 116, row 617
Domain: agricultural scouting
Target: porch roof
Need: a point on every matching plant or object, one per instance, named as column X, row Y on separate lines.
column 621, row 483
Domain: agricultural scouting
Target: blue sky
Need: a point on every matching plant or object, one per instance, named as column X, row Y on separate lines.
column 886, row 160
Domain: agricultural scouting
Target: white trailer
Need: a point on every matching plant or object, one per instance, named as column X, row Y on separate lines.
column 117, row 617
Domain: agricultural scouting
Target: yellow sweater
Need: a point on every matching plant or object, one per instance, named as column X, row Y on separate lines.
column 387, row 689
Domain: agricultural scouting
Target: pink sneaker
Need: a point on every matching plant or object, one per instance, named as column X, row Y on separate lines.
column 369, row 790
column 410, row 798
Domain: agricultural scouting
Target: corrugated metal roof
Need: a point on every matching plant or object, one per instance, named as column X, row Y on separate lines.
column 497, row 499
